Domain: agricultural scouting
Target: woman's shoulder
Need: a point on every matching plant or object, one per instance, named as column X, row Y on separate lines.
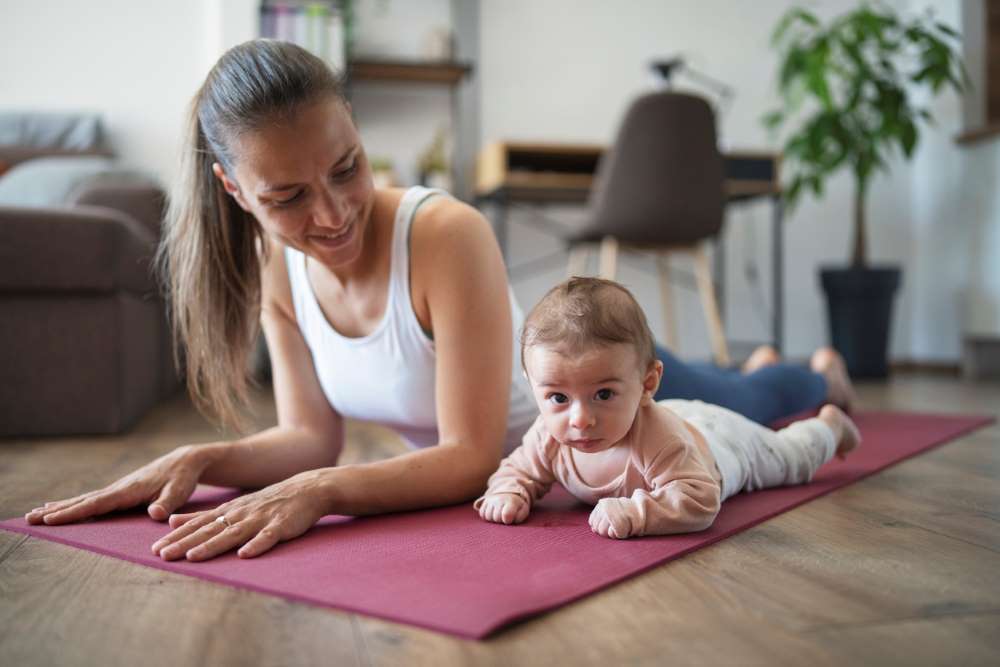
column 276, row 288
column 443, row 219
column 450, row 239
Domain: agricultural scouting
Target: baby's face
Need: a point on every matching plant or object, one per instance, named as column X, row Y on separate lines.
column 589, row 398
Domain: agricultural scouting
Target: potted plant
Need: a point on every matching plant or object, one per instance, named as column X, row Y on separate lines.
column 383, row 173
column 432, row 164
column 848, row 88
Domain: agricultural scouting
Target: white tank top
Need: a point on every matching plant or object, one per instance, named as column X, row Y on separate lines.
column 388, row 376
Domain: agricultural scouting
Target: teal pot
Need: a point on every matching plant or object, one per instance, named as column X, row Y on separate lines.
column 859, row 305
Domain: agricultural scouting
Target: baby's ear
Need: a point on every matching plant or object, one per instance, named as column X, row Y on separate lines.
column 651, row 381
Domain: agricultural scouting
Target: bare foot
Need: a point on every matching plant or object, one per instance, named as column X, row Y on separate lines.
column 827, row 362
column 765, row 355
column 844, row 430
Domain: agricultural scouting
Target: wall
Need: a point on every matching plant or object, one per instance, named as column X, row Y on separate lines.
column 956, row 216
column 138, row 63
column 577, row 64
column 564, row 70
column 399, row 120
column 980, row 209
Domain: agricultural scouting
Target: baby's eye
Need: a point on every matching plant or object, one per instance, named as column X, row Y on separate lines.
column 558, row 398
column 604, row 394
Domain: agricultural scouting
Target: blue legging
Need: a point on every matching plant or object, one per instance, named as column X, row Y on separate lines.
column 765, row 395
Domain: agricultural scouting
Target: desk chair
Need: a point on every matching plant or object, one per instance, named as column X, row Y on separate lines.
column 659, row 189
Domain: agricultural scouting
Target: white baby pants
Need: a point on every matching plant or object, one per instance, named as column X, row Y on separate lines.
column 751, row 456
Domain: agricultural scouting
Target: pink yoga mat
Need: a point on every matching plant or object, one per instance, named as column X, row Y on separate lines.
column 447, row 570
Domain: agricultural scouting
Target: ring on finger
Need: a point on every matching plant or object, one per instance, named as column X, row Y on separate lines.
column 224, row 521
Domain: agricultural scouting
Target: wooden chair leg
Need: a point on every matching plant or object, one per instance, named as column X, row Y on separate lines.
column 666, row 302
column 578, row 256
column 703, row 275
column 609, row 258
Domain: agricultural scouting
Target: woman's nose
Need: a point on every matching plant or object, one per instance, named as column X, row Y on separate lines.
column 330, row 212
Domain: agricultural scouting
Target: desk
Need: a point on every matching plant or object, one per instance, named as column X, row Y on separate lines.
column 510, row 172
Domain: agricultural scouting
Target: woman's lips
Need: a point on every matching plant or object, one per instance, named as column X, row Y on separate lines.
column 333, row 240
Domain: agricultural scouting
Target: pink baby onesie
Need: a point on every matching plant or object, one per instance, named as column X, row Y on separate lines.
column 669, row 484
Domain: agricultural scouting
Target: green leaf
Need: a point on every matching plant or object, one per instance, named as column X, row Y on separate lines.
column 923, row 74
column 859, row 71
column 792, row 68
column 943, row 27
column 793, row 192
column 818, row 86
column 817, row 186
column 790, row 18
column 908, row 137
column 773, row 119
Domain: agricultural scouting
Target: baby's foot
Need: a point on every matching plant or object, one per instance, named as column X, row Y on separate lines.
column 765, row 355
column 844, row 430
column 827, row 362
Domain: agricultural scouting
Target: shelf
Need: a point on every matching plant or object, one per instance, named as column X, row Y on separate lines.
column 408, row 71
column 979, row 134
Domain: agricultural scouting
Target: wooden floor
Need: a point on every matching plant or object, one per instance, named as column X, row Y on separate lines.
column 900, row 568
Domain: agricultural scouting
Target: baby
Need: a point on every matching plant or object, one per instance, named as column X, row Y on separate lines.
column 648, row 468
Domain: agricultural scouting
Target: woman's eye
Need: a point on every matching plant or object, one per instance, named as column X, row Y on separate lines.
column 290, row 200
column 558, row 398
column 604, row 394
column 347, row 173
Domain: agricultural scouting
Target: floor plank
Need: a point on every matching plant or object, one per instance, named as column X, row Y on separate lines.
column 897, row 568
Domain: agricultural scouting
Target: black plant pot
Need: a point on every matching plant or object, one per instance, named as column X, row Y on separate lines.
column 859, row 304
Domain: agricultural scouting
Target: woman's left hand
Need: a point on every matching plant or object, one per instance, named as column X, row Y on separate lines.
column 252, row 523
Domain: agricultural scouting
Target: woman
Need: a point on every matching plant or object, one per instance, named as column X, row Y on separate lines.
column 384, row 305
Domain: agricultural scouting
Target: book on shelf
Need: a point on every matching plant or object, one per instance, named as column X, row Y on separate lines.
column 315, row 26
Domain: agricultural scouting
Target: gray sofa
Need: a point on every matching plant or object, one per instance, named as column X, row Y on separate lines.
column 84, row 342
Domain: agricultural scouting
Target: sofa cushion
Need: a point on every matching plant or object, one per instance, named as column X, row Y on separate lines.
column 52, row 129
column 85, row 249
column 48, row 181
column 131, row 193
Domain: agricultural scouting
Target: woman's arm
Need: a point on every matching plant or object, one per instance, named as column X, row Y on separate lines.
column 309, row 433
column 459, row 284
column 459, row 291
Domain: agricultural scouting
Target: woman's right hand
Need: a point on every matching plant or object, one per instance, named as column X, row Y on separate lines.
column 165, row 483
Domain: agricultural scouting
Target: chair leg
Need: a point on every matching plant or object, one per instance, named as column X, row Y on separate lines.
column 666, row 302
column 609, row 258
column 703, row 275
column 578, row 256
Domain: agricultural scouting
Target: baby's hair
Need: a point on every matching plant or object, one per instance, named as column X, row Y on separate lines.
column 583, row 312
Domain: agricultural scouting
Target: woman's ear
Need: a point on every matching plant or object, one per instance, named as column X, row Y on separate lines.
column 229, row 186
column 651, row 382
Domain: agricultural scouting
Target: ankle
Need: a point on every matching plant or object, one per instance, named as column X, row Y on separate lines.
column 833, row 417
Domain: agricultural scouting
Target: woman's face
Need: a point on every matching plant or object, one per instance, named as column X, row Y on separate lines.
column 306, row 179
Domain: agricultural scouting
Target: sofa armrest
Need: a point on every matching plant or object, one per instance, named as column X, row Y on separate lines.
column 83, row 249
column 135, row 195
column 13, row 155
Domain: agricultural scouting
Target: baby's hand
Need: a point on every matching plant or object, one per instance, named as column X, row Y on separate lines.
column 610, row 518
column 505, row 508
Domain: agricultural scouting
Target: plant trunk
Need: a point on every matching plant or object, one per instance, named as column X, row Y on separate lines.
column 859, row 258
